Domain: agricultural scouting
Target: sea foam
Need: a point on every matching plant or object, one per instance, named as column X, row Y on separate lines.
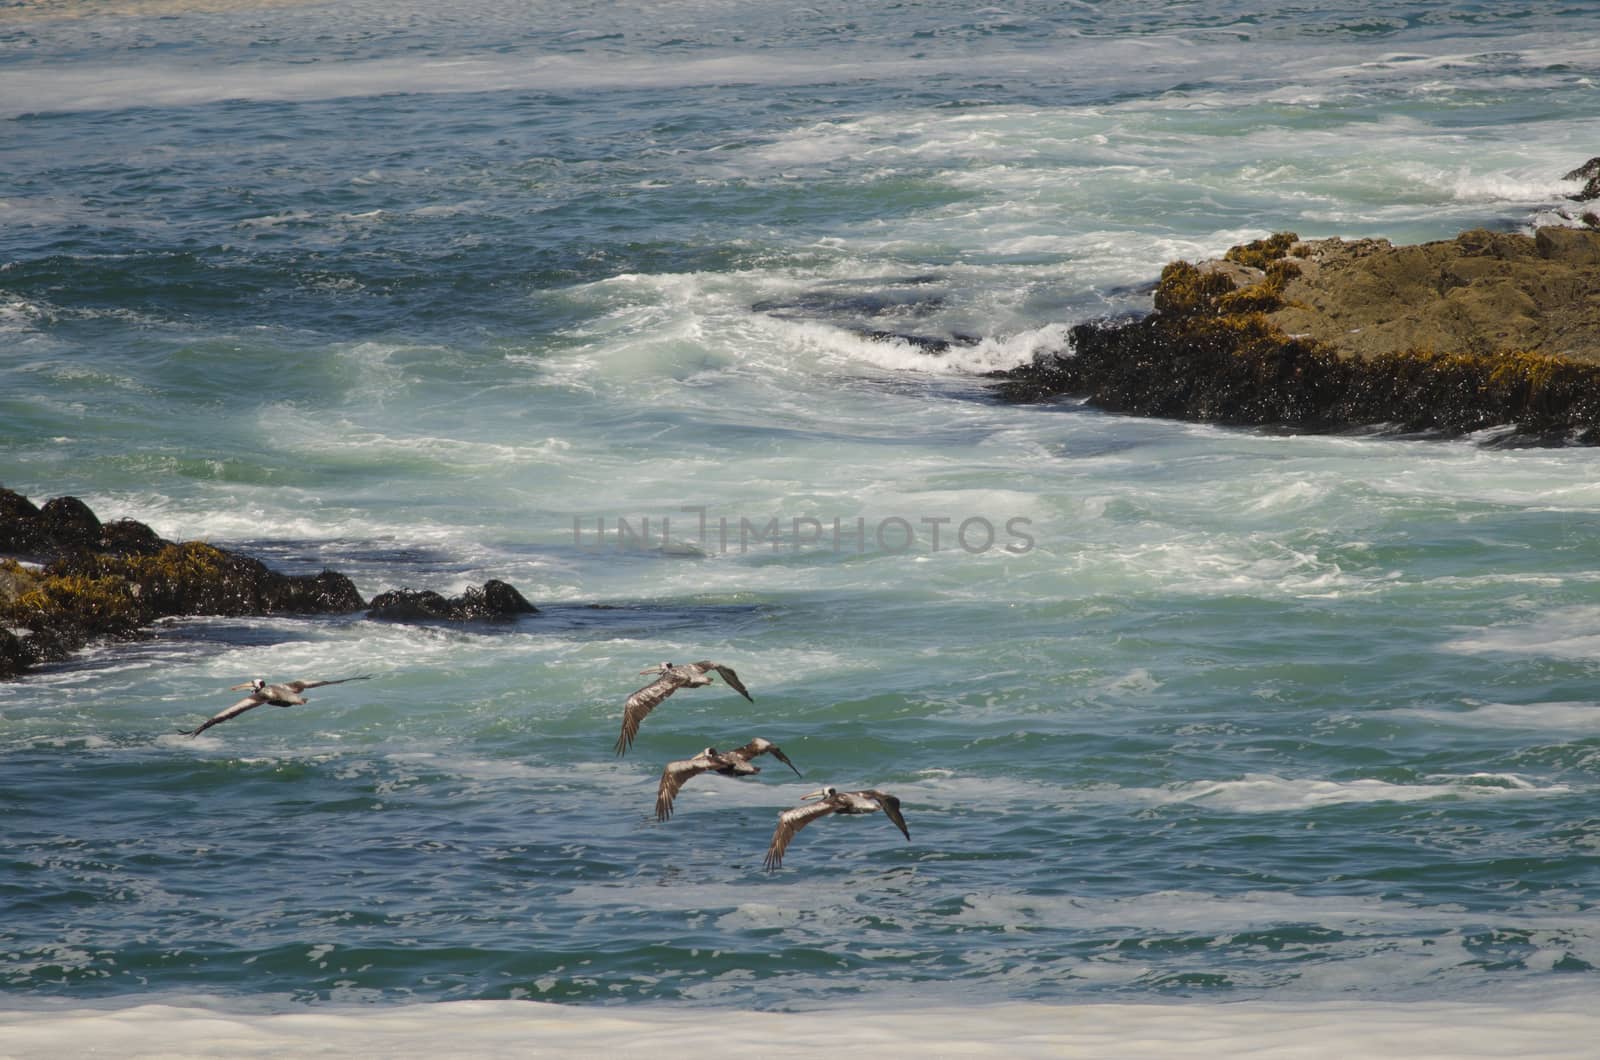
column 1535, row 1027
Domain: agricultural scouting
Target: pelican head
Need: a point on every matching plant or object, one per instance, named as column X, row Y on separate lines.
column 259, row 683
column 658, row 668
column 821, row 793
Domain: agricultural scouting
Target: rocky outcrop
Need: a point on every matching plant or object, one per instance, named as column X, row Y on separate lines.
column 86, row 580
column 1486, row 330
column 1589, row 172
column 496, row 601
column 1482, row 292
column 91, row 580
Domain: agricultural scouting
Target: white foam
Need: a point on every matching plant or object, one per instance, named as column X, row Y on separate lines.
column 1251, row 793
column 1201, row 914
column 1535, row 1026
column 1518, row 717
column 990, row 354
column 1265, row 793
column 1562, row 633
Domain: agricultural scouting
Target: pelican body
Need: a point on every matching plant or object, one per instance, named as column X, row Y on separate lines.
column 670, row 678
column 277, row 695
column 832, row 800
column 734, row 763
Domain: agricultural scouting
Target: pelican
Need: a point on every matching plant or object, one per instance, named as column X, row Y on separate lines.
column 284, row 695
column 833, row 801
column 735, row 763
column 670, row 678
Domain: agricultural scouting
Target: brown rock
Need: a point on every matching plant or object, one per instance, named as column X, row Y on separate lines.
column 1447, row 338
column 1482, row 292
column 1570, row 245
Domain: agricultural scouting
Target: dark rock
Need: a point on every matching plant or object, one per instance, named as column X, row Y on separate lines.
column 1590, row 172
column 14, row 657
column 197, row 579
column 1214, row 352
column 409, row 605
column 328, row 592
column 496, row 601
column 500, row 600
column 113, row 580
column 925, row 343
column 21, row 530
column 66, row 524
column 70, row 523
column 128, row 537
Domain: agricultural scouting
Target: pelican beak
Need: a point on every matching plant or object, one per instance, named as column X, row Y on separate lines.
column 819, row 793
column 241, row 688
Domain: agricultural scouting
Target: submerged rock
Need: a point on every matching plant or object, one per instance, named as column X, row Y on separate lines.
column 496, row 601
column 1489, row 329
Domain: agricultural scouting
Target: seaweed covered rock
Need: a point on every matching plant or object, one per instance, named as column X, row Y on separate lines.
column 1481, row 292
column 194, row 578
column 101, row 580
column 1452, row 337
column 496, row 601
column 65, row 525
column 128, row 537
column 111, row 580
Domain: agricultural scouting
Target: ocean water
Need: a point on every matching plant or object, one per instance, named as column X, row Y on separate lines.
column 675, row 316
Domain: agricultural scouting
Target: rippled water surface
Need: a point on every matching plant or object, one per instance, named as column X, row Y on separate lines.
column 682, row 310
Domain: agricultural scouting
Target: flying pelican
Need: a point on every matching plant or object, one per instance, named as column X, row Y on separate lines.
column 284, row 695
column 670, row 679
column 735, row 763
column 833, row 801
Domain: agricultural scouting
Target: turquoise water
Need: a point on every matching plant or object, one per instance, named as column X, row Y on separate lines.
column 430, row 298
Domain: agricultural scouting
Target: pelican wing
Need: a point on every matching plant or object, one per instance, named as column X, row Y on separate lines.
column 247, row 703
column 727, row 675
column 758, row 747
column 891, row 809
column 642, row 703
column 301, row 686
column 673, row 778
column 791, row 821
column 777, row 753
